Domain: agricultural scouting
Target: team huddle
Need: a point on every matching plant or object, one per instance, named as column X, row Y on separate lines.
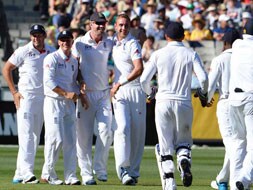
column 68, row 89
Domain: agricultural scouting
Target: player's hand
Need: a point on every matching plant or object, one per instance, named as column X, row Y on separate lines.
column 84, row 101
column 210, row 104
column 71, row 95
column 152, row 95
column 17, row 96
column 83, row 88
column 114, row 89
column 202, row 97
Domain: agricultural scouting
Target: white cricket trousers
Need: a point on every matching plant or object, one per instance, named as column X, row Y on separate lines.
column 173, row 120
column 60, row 134
column 129, row 136
column 101, row 111
column 242, row 149
column 30, row 122
column 225, row 128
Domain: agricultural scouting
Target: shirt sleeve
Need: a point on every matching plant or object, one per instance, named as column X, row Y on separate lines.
column 148, row 74
column 49, row 64
column 200, row 72
column 74, row 49
column 17, row 58
column 135, row 50
column 213, row 76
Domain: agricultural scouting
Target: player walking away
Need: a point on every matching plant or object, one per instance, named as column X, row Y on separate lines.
column 61, row 91
column 128, row 103
column 28, row 99
column 93, row 51
column 241, row 108
column 174, row 65
column 219, row 76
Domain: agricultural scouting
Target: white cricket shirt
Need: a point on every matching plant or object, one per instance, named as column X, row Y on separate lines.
column 30, row 66
column 93, row 61
column 241, row 75
column 61, row 71
column 124, row 53
column 219, row 75
column 174, row 65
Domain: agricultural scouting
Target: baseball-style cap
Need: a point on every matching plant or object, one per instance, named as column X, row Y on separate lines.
column 65, row 34
column 174, row 30
column 37, row 28
column 248, row 28
column 98, row 17
column 231, row 36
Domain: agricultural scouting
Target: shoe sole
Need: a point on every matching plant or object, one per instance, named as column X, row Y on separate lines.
column 17, row 181
column 239, row 185
column 130, row 181
column 75, row 183
column 48, row 182
column 187, row 175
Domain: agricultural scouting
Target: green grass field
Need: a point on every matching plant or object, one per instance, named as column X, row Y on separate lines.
column 205, row 165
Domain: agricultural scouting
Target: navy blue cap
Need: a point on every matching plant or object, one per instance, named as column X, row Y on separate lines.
column 230, row 36
column 37, row 28
column 248, row 28
column 65, row 34
column 98, row 17
column 174, row 30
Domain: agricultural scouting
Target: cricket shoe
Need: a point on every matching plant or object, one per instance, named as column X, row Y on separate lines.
column 186, row 175
column 170, row 184
column 219, row 186
column 51, row 181
column 31, row 180
column 73, row 181
column 239, row 185
column 90, row 182
column 126, row 179
column 102, row 177
column 16, row 181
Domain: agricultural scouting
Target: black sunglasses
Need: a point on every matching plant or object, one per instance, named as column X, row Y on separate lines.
column 100, row 23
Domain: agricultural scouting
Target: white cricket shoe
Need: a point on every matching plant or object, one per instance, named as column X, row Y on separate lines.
column 170, row 184
column 73, row 181
column 214, row 184
column 30, row 180
column 52, row 181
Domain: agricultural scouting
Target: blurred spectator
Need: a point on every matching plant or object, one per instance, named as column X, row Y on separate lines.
column 234, row 11
column 162, row 14
column 82, row 13
column 212, row 17
column 110, row 31
column 54, row 3
column 111, row 12
column 187, row 18
column 62, row 19
column 200, row 32
column 157, row 31
column 172, row 11
column 148, row 48
column 6, row 43
column 86, row 25
column 245, row 17
column 137, row 30
column 42, row 6
column 76, row 32
column 223, row 27
column 249, row 7
column 147, row 19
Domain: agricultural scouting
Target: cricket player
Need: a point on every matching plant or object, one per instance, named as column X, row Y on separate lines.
column 93, row 51
column 174, row 65
column 219, row 76
column 241, row 108
column 128, row 103
column 61, row 91
column 28, row 99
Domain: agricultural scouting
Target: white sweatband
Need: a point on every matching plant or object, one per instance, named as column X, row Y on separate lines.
column 123, row 81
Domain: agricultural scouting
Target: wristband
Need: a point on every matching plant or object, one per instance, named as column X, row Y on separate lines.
column 123, row 81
